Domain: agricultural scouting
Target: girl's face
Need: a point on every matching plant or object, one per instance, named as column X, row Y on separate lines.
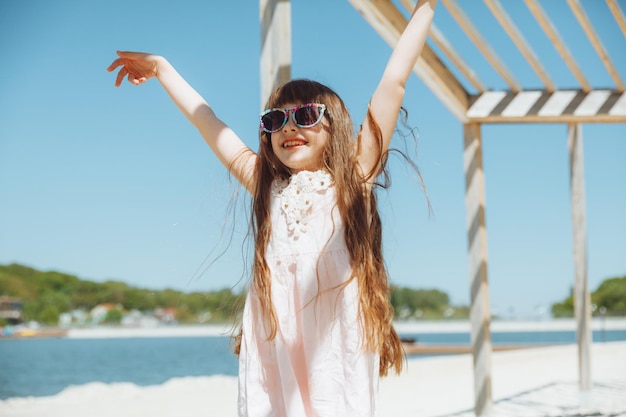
column 300, row 148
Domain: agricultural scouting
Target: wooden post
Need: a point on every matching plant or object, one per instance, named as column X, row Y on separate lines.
column 477, row 248
column 582, row 298
column 275, row 18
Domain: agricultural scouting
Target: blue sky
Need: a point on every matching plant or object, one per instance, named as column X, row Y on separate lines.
column 109, row 183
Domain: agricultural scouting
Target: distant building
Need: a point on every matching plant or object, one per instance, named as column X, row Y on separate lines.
column 74, row 317
column 136, row 318
column 11, row 309
column 165, row 315
column 98, row 313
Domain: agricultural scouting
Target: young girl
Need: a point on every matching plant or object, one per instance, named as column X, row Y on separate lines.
column 317, row 325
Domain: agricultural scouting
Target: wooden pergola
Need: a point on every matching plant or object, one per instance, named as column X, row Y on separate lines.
column 473, row 103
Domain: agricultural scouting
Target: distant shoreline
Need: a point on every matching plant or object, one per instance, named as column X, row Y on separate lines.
column 406, row 327
column 548, row 325
column 225, row 330
column 209, row 330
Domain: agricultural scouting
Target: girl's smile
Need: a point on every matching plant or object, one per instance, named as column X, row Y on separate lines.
column 290, row 143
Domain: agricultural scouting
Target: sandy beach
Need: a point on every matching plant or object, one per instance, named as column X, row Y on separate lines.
column 538, row 381
column 443, row 386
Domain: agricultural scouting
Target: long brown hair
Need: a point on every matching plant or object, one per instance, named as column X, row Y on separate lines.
column 357, row 204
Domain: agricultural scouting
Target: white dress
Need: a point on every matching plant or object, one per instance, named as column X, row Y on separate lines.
column 316, row 366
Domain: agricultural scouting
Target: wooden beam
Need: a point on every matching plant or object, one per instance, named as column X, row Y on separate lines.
column 555, row 39
column 617, row 14
column 585, row 23
column 446, row 48
column 482, row 44
column 518, row 39
column 480, row 317
column 582, row 298
column 540, row 106
column 387, row 20
column 275, row 16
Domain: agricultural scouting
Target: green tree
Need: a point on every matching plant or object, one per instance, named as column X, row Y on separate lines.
column 86, row 295
column 112, row 292
column 113, row 316
column 610, row 294
column 184, row 315
column 49, row 315
column 408, row 302
column 565, row 308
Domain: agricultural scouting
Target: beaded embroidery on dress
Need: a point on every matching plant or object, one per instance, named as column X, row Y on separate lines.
column 295, row 197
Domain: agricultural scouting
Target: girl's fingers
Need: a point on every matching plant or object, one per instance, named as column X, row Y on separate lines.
column 132, row 66
column 114, row 65
column 132, row 79
column 120, row 76
column 135, row 80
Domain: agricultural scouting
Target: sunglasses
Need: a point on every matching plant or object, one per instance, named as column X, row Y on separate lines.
column 304, row 115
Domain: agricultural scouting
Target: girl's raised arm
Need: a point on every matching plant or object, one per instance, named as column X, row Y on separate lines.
column 387, row 98
column 230, row 150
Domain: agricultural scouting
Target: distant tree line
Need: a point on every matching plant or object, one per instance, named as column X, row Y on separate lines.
column 609, row 299
column 46, row 295
column 409, row 303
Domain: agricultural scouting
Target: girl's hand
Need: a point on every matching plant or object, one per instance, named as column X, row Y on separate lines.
column 138, row 66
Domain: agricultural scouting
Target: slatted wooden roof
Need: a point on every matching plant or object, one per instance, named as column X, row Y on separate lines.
column 443, row 66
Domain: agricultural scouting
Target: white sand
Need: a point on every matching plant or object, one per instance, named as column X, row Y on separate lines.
column 430, row 387
column 444, row 385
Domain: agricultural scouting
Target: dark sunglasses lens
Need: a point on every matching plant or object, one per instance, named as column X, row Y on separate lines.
column 308, row 116
column 273, row 120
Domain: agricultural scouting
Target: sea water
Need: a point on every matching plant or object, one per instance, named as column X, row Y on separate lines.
column 42, row 367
